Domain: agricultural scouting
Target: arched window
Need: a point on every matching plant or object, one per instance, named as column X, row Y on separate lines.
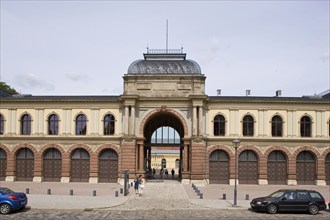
column 26, row 124
column 219, row 125
column 53, row 124
column 163, row 163
column 2, row 124
column 177, row 163
column 109, row 124
column 165, row 135
column 248, row 125
column 52, row 153
column 277, row 126
column 248, row 155
column 305, row 127
column 81, row 125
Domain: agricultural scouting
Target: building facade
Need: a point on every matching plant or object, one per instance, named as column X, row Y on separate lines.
column 283, row 140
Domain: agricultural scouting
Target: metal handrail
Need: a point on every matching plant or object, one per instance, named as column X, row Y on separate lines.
column 164, row 51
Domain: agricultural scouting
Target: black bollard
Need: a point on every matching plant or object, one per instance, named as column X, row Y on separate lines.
column 201, row 195
column 224, row 196
column 247, row 197
column 27, row 190
column 49, row 191
column 94, row 192
column 131, row 183
column 71, row 192
column 121, row 190
column 116, row 194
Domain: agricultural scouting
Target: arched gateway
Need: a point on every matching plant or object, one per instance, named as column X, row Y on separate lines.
column 162, row 129
column 164, row 108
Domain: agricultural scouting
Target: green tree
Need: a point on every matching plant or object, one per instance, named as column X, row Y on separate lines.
column 7, row 89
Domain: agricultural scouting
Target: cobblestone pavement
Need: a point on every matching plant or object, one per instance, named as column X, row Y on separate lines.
column 160, row 201
column 228, row 214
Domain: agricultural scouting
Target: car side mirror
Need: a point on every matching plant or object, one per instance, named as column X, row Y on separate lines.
column 283, row 198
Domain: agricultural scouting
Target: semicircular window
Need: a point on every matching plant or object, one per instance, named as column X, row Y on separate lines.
column 165, row 135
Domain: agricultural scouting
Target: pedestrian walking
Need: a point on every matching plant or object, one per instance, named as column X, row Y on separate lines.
column 153, row 173
column 136, row 185
column 141, row 185
column 173, row 172
column 161, row 172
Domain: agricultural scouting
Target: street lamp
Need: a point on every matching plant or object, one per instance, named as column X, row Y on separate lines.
column 236, row 145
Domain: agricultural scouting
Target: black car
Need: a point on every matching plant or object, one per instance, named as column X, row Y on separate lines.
column 287, row 200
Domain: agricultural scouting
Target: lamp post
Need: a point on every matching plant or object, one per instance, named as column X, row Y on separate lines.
column 236, row 145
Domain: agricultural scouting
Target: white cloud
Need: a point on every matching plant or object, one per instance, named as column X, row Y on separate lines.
column 31, row 81
column 78, row 77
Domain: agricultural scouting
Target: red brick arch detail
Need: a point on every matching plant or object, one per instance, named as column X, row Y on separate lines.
column 107, row 146
column 225, row 148
column 77, row 146
column 325, row 153
column 306, row 148
column 36, row 157
column 5, row 148
column 45, row 147
column 320, row 172
column 95, row 159
column 278, row 148
column 92, row 159
column 156, row 111
column 42, row 151
column 250, row 147
column 25, row 145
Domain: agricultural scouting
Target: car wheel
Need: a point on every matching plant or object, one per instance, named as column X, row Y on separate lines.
column 271, row 208
column 313, row 209
column 5, row 208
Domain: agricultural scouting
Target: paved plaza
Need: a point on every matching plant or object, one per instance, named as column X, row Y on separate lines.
column 161, row 200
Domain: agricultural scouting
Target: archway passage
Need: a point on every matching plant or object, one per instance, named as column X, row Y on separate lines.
column 219, row 167
column 24, row 165
column 52, row 165
column 163, row 134
column 108, row 166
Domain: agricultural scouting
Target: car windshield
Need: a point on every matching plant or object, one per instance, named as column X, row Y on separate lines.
column 5, row 191
column 276, row 194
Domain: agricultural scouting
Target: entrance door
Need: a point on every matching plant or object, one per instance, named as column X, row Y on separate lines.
column 52, row 165
column 248, row 168
column 219, row 167
column 277, row 168
column 3, row 164
column 24, row 165
column 108, row 166
column 306, row 168
column 80, row 166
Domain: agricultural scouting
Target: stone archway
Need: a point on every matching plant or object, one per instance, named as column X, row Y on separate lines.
column 156, row 129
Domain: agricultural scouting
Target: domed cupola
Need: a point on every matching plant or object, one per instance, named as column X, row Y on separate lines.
column 164, row 73
column 164, row 62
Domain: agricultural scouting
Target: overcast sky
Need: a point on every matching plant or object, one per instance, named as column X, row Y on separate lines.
column 85, row 47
